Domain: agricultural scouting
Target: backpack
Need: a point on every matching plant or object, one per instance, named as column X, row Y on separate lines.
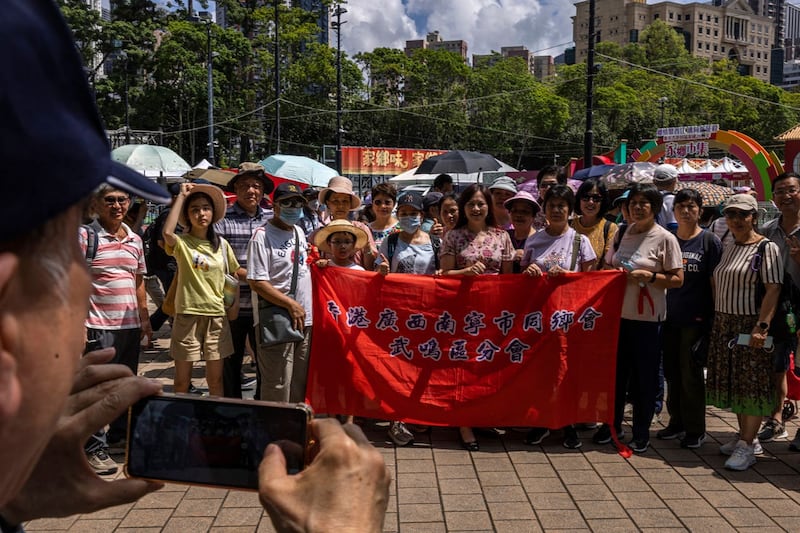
column 391, row 241
column 92, row 242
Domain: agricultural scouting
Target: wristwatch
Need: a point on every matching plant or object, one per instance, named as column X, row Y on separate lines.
column 764, row 326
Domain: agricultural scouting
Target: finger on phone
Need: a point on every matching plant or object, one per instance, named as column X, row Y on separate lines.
column 116, row 399
column 273, row 464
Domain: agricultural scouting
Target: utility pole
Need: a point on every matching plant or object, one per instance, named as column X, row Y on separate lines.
column 339, row 11
column 662, row 103
column 588, row 139
column 277, row 56
column 210, row 65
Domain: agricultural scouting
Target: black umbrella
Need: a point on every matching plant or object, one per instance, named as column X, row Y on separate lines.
column 458, row 162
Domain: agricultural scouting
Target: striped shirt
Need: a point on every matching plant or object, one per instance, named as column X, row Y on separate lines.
column 237, row 227
column 113, row 303
column 735, row 277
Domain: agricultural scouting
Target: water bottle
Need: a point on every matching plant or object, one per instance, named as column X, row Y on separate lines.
column 791, row 321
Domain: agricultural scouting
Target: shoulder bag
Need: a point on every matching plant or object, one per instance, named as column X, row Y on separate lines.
column 275, row 324
column 230, row 290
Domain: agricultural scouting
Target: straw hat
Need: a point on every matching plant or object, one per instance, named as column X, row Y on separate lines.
column 341, row 185
column 217, row 201
column 335, row 226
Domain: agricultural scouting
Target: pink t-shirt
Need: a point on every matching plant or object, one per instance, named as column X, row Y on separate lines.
column 491, row 247
column 113, row 303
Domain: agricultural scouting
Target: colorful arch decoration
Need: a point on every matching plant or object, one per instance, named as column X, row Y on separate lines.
column 763, row 166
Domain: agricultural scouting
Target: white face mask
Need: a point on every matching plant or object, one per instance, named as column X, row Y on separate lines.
column 409, row 224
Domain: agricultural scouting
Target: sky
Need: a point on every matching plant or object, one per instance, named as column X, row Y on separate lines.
column 543, row 26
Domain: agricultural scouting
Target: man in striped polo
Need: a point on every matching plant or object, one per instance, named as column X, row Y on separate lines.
column 118, row 314
column 241, row 220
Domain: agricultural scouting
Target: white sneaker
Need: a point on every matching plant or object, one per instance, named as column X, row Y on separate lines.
column 742, row 457
column 728, row 447
column 400, row 435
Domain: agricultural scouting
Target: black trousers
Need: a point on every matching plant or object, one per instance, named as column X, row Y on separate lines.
column 241, row 329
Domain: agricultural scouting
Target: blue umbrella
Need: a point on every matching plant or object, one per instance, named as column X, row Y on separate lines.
column 592, row 172
column 298, row 168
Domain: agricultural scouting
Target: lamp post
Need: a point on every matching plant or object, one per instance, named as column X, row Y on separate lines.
column 339, row 11
column 588, row 138
column 276, row 4
column 205, row 18
column 124, row 55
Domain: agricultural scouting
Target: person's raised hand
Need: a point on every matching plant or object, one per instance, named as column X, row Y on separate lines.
column 63, row 483
column 345, row 488
column 437, row 229
column 383, row 265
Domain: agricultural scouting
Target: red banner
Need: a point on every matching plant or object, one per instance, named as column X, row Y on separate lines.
column 383, row 161
column 488, row 351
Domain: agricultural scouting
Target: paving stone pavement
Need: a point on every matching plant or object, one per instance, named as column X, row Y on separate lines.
column 507, row 486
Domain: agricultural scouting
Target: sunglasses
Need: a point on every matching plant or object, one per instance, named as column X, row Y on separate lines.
column 596, row 198
column 291, row 203
column 111, row 200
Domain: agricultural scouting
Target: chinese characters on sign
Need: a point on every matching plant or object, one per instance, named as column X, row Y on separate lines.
column 688, row 133
column 694, row 148
column 473, row 324
column 383, row 161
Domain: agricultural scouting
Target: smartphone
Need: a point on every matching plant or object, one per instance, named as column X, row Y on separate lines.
column 220, row 442
column 744, row 340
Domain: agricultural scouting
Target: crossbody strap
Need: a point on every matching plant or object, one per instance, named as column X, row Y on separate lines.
column 296, row 261
column 576, row 244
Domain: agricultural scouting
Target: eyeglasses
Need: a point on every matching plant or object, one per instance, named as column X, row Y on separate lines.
column 342, row 243
column 111, row 200
column 785, row 192
column 736, row 213
column 596, row 198
column 291, row 203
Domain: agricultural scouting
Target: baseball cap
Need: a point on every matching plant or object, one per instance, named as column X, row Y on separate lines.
column 47, row 112
column 287, row 190
column 504, row 183
column 665, row 172
column 414, row 199
column 744, row 201
column 431, row 199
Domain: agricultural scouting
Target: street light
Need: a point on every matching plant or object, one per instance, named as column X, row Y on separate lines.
column 339, row 11
column 205, row 18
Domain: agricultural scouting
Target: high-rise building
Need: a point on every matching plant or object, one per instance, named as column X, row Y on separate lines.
column 434, row 41
column 773, row 9
column 712, row 32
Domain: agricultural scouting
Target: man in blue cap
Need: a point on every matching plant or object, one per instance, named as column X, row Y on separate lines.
column 51, row 399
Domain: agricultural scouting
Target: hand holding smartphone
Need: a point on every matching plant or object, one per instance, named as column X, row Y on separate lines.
column 219, row 442
column 744, row 340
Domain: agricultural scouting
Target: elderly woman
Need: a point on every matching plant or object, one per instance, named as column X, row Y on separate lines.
column 340, row 200
column 476, row 246
column 384, row 199
column 200, row 330
column 522, row 208
column 747, row 285
column 591, row 205
column 651, row 257
column 690, row 310
column 554, row 250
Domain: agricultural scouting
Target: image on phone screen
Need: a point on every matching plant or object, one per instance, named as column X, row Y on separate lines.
column 202, row 441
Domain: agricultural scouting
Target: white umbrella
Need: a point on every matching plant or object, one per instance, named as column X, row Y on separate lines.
column 409, row 176
column 151, row 160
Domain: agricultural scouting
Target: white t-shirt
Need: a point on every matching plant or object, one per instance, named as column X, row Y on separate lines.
column 548, row 251
column 274, row 261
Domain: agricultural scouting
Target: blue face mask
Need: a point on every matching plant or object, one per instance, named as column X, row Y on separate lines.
column 409, row 224
column 291, row 215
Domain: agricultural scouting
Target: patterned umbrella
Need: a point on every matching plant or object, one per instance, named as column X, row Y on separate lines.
column 623, row 175
column 712, row 194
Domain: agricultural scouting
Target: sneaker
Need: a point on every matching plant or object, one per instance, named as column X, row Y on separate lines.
column 728, row 447
column 536, row 436
column 795, row 444
column 639, row 446
column 602, row 435
column 103, row 464
column 772, row 430
column 571, row 440
column 400, row 435
column 248, row 382
column 693, row 441
column 669, row 433
column 742, row 457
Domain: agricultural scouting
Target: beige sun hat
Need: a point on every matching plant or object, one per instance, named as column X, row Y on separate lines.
column 341, row 185
column 335, row 226
column 217, row 201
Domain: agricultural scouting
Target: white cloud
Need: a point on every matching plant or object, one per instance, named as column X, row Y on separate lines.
column 543, row 26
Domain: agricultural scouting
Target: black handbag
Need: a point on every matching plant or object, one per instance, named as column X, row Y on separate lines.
column 275, row 324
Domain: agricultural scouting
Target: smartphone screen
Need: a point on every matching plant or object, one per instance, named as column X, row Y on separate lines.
column 219, row 442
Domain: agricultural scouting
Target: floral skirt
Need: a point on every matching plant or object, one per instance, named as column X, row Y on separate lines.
column 739, row 378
